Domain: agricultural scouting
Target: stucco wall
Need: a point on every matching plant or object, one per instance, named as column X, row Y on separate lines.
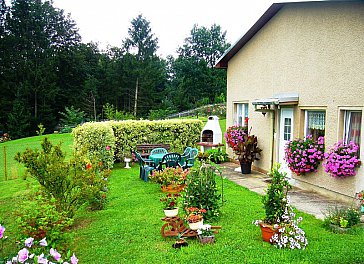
column 317, row 50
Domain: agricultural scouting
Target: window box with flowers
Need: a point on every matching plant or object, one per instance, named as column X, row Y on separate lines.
column 195, row 217
column 206, row 235
column 342, row 159
column 304, row 155
column 170, row 204
column 244, row 145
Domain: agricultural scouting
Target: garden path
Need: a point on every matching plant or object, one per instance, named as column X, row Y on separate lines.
column 306, row 201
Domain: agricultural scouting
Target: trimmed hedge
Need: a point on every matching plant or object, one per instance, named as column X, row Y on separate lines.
column 96, row 141
column 123, row 136
column 179, row 133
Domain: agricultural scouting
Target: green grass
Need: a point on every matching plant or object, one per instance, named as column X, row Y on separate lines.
column 128, row 231
column 13, row 168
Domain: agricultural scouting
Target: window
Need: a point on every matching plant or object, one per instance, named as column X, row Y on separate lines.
column 315, row 124
column 287, row 129
column 240, row 114
column 352, row 126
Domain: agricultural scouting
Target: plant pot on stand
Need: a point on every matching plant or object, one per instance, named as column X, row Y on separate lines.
column 171, row 212
column 196, row 225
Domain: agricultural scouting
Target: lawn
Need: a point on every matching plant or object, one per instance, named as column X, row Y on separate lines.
column 128, row 231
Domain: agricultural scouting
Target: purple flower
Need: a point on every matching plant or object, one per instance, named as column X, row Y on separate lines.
column 29, row 242
column 23, row 255
column 43, row 242
column 42, row 259
column 55, row 254
column 74, row 260
column 2, row 230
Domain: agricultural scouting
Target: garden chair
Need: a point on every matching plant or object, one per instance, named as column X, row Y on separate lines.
column 170, row 160
column 158, row 151
column 191, row 160
column 185, row 155
column 146, row 166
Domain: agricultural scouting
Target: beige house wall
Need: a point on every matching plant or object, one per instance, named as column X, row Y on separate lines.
column 317, row 51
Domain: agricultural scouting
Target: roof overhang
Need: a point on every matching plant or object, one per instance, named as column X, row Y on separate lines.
column 270, row 104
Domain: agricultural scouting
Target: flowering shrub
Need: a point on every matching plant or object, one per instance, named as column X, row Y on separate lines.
column 304, row 155
column 36, row 253
column 5, row 137
column 342, row 159
column 234, row 135
column 170, row 201
column 194, row 214
column 360, row 197
column 289, row 234
column 169, row 176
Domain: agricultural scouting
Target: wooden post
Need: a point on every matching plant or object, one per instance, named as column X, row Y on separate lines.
column 6, row 176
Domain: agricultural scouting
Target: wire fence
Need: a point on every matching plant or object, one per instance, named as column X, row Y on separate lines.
column 206, row 110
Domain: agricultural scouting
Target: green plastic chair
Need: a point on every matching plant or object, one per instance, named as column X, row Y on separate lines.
column 185, row 155
column 146, row 165
column 190, row 162
column 158, row 151
column 170, row 160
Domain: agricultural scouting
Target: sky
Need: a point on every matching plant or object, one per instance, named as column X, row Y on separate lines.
column 106, row 22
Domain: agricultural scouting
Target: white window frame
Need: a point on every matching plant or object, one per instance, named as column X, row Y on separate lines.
column 347, row 119
column 306, row 119
column 244, row 107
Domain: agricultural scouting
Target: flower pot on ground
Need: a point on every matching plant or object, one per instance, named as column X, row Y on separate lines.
column 181, row 242
column 359, row 197
column 279, row 223
column 244, row 145
column 170, row 203
column 206, row 235
column 341, row 220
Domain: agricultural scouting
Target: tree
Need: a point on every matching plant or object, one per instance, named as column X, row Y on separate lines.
column 193, row 76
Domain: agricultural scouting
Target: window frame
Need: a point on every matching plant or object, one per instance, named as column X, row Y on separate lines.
column 305, row 125
column 244, row 112
column 346, row 124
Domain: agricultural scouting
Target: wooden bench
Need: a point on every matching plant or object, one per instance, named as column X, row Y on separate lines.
column 145, row 149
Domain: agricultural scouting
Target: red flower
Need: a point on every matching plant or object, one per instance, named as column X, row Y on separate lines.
column 88, row 166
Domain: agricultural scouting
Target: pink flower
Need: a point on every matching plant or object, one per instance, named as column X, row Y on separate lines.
column 55, row 254
column 2, row 230
column 23, row 255
column 74, row 260
column 107, row 148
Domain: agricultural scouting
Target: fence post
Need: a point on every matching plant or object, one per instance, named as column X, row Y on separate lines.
column 6, row 176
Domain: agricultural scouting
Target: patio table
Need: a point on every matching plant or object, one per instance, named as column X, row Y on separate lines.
column 157, row 158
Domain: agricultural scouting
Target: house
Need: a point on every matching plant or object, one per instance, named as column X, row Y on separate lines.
column 298, row 70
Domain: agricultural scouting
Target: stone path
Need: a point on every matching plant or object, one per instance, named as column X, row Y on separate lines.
column 309, row 202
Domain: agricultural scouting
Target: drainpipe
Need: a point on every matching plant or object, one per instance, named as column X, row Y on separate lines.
column 272, row 139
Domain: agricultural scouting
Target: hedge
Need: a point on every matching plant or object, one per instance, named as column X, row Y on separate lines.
column 179, row 133
column 96, row 141
column 123, row 136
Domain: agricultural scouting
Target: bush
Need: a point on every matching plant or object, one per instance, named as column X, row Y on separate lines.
column 217, row 155
column 179, row 133
column 71, row 183
column 201, row 191
column 341, row 217
column 38, row 217
column 96, row 141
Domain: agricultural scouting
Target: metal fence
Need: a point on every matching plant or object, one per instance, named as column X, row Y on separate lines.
column 206, row 110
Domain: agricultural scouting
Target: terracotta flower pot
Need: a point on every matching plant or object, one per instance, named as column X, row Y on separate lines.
column 267, row 232
column 173, row 188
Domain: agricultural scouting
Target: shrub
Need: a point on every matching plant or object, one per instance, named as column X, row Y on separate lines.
column 341, row 217
column 201, row 191
column 304, row 155
column 217, row 155
column 72, row 117
column 38, row 217
column 96, row 141
column 342, row 159
column 169, row 176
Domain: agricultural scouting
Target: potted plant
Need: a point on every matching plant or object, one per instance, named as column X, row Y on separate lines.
column 341, row 220
column 181, row 242
column 275, row 203
column 206, row 235
column 342, row 159
column 172, row 180
column 217, row 155
column 360, row 198
column 244, row 145
column 304, row 155
column 170, row 204
column 195, row 217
